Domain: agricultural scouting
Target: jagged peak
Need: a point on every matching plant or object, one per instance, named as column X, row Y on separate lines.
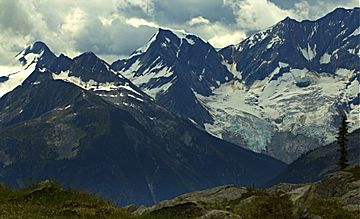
column 38, row 47
column 341, row 12
column 88, row 56
column 178, row 33
column 288, row 20
column 36, row 51
column 181, row 34
column 165, row 35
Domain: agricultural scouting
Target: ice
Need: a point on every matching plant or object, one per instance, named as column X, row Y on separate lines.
column 283, row 64
column 242, row 111
column 136, row 98
column 258, row 37
column 91, row 84
column 35, row 83
column 325, row 59
column 315, row 29
column 153, row 92
column 275, row 40
column 15, row 79
column 309, row 53
column 232, row 68
column 355, row 33
column 191, row 120
column 190, row 41
column 129, row 88
column 354, row 118
column 355, row 51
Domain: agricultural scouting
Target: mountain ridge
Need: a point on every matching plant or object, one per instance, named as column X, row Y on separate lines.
column 113, row 140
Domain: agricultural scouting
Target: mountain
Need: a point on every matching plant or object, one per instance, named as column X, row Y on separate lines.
column 172, row 68
column 314, row 165
column 25, row 63
column 83, row 124
column 325, row 45
column 38, row 52
column 278, row 92
column 292, row 81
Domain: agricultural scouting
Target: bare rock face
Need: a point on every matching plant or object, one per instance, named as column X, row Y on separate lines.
column 343, row 185
column 338, row 194
column 202, row 204
column 334, row 185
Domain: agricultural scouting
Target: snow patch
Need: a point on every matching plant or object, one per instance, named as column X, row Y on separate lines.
column 355, row 33
column 325, row 59
column 153, row 92
column 355, row 51
column 309, row 53
column 270, row 106
column 16, row 79
column 91, row 84
column 136, row 98
column 190, row 41
column 275, row 40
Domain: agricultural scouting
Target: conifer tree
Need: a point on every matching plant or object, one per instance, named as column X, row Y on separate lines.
column 342, row 142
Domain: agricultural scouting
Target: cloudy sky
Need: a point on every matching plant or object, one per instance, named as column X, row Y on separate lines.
column 115, row 28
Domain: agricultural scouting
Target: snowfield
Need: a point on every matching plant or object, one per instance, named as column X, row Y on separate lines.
column 300, row 101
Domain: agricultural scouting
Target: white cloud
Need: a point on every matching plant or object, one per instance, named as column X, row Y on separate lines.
column 105, row 21
column 138, row 22
column 117, row 27
column 256, row 14
column 198, row 20
column 218, row 34
column 223, row 40
column 306, row 9
column 74, row 21
column 260, row 14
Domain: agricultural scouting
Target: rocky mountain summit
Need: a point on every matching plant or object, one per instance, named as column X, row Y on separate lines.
column 278, row 92
column 85, row 125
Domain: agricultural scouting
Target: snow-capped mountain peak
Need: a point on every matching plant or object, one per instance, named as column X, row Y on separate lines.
column 174, row 64
column 295, row 78
column 87, row 71
column 24, row 63
column 267, row 84
column 38, row 52
column 164, row 37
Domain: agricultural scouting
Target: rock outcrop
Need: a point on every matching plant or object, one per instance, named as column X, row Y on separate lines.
column 335, row 196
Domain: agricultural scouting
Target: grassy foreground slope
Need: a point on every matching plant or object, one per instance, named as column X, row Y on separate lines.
column 335, row 196
column 47, row 199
